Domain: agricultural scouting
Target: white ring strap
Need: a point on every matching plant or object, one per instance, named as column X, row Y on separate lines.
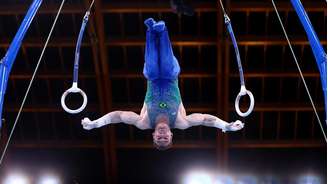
column 74, row 89
column 243, row 92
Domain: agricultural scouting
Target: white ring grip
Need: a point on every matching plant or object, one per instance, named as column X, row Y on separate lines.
column 74, row 89
column 243, row 92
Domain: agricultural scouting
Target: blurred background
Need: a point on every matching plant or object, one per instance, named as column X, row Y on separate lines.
column 281, row 141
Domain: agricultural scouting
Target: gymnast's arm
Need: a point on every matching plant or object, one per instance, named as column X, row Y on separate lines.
column 185, row 121
column 127, row 117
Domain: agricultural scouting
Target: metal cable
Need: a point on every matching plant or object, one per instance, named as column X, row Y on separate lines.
column 299, row 70
column 31, row 81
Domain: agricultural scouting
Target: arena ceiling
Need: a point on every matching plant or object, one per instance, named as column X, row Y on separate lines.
column 282, row 127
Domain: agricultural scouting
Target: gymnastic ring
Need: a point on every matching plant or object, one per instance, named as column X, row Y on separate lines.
column 243, row 92
column 74, row 89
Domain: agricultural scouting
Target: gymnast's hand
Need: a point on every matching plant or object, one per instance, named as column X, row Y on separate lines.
column 88, row 124
column 235, row 126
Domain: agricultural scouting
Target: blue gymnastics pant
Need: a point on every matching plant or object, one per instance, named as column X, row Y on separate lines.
column 160, row 62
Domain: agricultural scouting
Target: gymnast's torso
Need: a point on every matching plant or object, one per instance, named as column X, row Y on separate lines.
column 162, row 98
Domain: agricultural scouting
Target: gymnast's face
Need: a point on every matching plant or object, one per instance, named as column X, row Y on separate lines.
column 162, row 135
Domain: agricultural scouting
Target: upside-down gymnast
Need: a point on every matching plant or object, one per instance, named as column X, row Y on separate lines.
column 162, row 108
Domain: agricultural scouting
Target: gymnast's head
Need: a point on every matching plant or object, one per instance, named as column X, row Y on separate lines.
column 162, row 136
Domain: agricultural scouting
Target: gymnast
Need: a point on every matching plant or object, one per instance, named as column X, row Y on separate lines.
column 163, row 108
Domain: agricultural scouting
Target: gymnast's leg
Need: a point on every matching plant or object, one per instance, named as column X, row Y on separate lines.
column 169, row 66
column 151, row 65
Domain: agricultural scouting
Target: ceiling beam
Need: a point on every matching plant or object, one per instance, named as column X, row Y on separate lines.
column 99, row 58
column 176, row 41
column 129, row 74
column 259, row 107
column 109, row 138
column 195, row 144
column 27, row 76
column 222, row 82
column 176, row 144
column 38, row 42
column 46, row 108
column 184, row 75
column 232, row 144
column 266, row 6
column 255, row 6
column 250, row 40
column 278, row 144
column 189, row 74
column 277, row 74
column 55, row 144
